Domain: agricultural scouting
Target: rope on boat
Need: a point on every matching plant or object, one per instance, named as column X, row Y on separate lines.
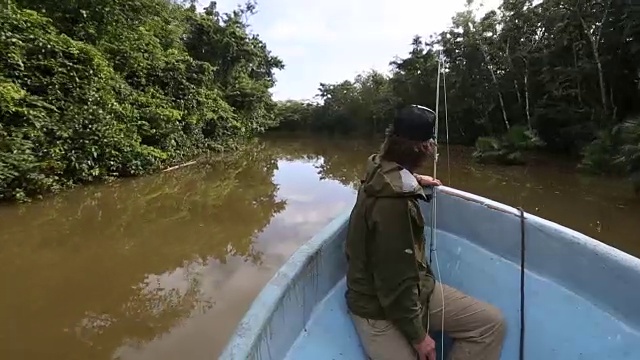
column 522, row 273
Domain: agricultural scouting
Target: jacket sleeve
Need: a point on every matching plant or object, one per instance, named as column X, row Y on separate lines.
column 394, row 266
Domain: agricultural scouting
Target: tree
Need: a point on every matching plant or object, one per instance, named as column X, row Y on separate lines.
column 561, row 75
column 96, row 89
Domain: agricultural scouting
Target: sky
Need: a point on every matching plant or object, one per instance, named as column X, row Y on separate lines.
column 333, row 40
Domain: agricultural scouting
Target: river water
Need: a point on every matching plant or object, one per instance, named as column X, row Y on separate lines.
column 163, row 267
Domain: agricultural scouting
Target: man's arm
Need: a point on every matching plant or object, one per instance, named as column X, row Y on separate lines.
column 425, row 180
column 395, row 271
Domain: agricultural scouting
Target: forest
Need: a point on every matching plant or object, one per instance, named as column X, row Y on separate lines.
column 97, row 89
column 92, row 90
column 554, row 76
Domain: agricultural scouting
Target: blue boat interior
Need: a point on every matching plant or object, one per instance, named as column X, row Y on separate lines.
column 579, row 297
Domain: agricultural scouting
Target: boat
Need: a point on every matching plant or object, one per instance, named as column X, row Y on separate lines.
column 564, row 295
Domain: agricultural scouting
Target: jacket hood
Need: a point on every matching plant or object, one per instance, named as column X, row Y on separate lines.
column 388, row 179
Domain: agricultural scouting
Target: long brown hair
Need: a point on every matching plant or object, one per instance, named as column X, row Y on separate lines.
column 408, row 153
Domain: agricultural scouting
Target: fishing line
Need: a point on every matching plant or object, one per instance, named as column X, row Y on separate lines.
column 446, row 124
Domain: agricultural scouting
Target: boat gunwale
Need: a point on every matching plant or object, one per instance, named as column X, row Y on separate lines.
column 255, row 322
column 578, row 237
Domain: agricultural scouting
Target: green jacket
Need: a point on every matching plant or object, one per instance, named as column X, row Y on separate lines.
column 388, row 277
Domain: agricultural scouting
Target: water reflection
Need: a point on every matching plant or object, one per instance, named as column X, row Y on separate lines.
column 310, row 205
column 164, row 267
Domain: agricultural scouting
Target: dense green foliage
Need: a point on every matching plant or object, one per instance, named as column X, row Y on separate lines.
column 95, row 89
column 554, row 74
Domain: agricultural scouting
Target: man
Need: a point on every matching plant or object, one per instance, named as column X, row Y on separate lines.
column 392, row 295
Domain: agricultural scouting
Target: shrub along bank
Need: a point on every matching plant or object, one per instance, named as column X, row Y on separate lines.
column 97, row 89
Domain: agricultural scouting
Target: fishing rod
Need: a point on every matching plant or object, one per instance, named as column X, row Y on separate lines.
column 432, row 247
column 432, row 242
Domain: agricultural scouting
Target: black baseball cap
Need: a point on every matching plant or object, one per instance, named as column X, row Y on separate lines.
column 415, row 122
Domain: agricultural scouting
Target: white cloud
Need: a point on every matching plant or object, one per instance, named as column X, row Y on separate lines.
column 332, row 40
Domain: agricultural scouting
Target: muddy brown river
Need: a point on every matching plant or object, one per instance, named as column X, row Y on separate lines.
column 163, row 267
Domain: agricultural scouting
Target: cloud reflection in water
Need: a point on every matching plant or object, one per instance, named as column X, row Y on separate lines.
column 216, row 295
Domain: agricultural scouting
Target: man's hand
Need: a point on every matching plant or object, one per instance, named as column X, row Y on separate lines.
column 426, row 349
column 425, row 180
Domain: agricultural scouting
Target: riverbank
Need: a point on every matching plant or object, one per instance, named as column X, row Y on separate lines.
column 202, row 157
column 564, row 163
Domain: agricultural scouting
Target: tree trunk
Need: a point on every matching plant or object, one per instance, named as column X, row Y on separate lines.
column 515, row 83
column 575, row 61
column 595, row 45
column 495, row 82
column 526, row 93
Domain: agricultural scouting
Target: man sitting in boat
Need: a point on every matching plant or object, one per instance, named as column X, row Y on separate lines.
column 392, row 296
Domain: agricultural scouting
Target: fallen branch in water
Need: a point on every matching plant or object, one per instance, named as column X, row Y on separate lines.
column 180, row 166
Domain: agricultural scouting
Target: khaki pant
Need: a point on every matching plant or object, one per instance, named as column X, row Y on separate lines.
column 477, row 328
